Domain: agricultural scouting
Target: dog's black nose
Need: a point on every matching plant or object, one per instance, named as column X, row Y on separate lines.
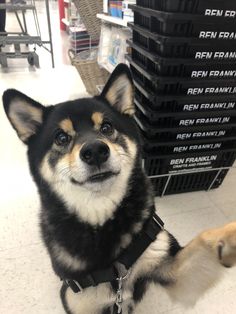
column 95, row 153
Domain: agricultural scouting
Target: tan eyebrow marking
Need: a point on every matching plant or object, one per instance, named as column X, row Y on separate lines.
column 67, row 126
column 97, row 118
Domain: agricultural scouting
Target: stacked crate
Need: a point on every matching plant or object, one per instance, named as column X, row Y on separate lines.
column 183, row 61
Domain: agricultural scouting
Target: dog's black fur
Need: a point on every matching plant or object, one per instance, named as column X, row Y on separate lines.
column 80, row 239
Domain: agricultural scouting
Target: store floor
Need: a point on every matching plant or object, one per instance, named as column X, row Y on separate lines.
column 28, row 284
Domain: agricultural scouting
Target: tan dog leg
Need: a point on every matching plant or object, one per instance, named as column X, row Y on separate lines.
column 199, row 265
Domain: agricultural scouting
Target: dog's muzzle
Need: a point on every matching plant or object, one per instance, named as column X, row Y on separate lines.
column 95, row 153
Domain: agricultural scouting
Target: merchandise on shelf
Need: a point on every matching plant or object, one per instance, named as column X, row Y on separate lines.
column 120, row 9
column 113, row 46
column 128, row 13
column 80, row 39
column 115, row 8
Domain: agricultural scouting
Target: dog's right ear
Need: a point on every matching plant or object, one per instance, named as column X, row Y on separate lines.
column 119, row 90
column 25, row 114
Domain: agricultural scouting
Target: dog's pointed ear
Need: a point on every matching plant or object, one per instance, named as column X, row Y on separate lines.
column 25, row 114
column 119, row 90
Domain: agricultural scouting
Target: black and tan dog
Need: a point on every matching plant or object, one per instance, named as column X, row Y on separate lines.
column 84, row 156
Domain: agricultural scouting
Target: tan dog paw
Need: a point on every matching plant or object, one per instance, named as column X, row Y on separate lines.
column 223, row 243
column 226, row 245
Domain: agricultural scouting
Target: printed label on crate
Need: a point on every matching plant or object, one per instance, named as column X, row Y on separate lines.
column 211, row 90
column 198, row 121
column 230, row 55
column 209, row 106
column 200, row 134
column 217, row 35
column 213, row 73
column 196, row 147
column 220, row 13
column 191, row 162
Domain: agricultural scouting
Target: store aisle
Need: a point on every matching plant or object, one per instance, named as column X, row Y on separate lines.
column 28, row 284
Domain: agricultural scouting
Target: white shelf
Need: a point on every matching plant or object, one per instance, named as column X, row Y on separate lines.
column 66, row 22
column 112, row 19
column 107, row 66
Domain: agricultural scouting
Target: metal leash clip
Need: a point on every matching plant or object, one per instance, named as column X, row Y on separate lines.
column 119, row 294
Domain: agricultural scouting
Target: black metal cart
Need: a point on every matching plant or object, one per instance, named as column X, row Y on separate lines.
column 17, row 39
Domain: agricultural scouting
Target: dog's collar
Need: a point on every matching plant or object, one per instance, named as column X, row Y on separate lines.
column 120, row 268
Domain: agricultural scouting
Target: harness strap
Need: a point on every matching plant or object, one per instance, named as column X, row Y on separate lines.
column 92, row 279
column 126, row 259
column 144, row 239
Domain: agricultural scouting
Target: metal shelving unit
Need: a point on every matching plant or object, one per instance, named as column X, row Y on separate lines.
column 16, row 39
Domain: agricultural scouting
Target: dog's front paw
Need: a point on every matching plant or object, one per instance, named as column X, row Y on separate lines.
column 226, row 245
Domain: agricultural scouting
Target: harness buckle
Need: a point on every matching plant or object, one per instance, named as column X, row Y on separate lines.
column 74, row 285
column 158, row 221
column 122, row 271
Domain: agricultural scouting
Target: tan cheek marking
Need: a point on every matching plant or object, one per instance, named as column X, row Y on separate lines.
column 64, row 161
column 70, row 159
column 97, row 118
column 74, row 155
column 46, row 170
column 132, row 147
column 67, row 126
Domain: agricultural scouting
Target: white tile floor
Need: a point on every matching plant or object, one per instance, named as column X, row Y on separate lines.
column 28, row 284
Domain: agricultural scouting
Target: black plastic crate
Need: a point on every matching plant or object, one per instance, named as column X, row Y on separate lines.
column 179, row 24
column 186, row 147
column 184, row 47
column 168, row 120
column 186, row 136
column 192, row 6
column 141, row 73
column 183, row 104
column 157, row 85
column 196, row 134
column 183, row 132
column 155, row 164
column 182, row 67
column 160, row 147
column 183, row 183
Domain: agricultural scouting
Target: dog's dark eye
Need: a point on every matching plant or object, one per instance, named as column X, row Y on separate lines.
column 62, row 139
column 107, row 128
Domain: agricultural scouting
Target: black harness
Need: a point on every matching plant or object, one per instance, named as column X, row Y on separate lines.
column 119, row 270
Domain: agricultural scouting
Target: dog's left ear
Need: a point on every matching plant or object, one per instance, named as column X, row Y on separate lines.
column 119, row 90
column 25, row 114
